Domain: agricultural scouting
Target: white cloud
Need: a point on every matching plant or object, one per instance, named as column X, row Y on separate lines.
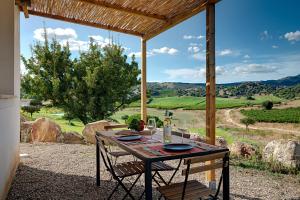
column 189, row 37
column 275, row 46
column 265, row 35
column 225, row 52
column 165, row 50
column 246, row 56
column 184, row 73
column 292, row 36
column 58, row 33
column 22, row 67
column 255, row 69
column 153, row 52
column 191, row 74
column 194, row 49
column 199, row 56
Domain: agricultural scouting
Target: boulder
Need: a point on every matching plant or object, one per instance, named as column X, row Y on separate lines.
column 90, row 129
column 22, row 118
column 45, row 130
column 220, row 141
column 25, row 131
column 242, row 149
column 286, row 152
column 73, row 138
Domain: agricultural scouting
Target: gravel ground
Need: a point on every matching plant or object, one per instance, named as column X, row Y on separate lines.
column 61, row 171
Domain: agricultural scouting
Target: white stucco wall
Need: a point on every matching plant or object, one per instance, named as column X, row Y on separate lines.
column 9, row 90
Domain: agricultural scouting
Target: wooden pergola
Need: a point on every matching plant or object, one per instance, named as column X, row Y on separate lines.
column 145, row 19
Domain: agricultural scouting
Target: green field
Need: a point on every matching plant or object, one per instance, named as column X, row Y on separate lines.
column 288, row 115
column 172, row 103
column 198, row 103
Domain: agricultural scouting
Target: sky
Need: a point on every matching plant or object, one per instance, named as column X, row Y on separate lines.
column 255, row 40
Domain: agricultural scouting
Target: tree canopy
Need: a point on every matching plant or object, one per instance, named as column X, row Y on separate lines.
column 91, row 87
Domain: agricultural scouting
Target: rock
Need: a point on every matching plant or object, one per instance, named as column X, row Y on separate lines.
column 25, row 131
column 73, row 138
column 23, row 119
column 220, row 141
column 242, row 149
column 45, row 130
column 90, row 129
column 286, row 152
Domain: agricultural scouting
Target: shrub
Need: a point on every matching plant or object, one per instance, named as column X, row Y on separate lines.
column 250, row 98
column 35, row 102
column 268, row 105
column 31, row 109
column 159, row 123
column 124, row 117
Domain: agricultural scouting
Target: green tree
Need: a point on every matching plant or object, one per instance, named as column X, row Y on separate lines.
column 101, row 83
column 268, row 105
column 46, row 71
column 34, row 106
column 247, row 122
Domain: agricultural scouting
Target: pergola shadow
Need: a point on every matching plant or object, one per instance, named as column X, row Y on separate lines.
column 33, row 183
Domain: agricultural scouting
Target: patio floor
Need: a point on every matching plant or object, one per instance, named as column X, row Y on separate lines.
column 61, row 171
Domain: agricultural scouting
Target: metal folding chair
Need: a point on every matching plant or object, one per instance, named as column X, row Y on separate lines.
column 120, row 171
column 193, row 189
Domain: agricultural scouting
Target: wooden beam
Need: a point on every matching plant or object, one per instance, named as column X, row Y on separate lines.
column 179, row 18
column 23, row 5
column 144, row 81
column 124, row 9
column 25, row 10
column 210, row 81
column 86, row 23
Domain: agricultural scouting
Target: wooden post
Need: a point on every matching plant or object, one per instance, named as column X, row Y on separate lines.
column 210, row 81
column 144, row 82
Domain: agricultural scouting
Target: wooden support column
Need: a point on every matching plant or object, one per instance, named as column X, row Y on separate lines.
column 210, row 81
column 144, row 81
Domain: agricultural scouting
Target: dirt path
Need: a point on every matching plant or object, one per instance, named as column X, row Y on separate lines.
column 230, row 120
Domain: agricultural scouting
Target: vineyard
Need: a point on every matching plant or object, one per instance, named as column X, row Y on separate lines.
column 198, row 103
column 288, row 115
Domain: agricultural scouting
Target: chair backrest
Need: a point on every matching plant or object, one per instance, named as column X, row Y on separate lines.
column 218, row 163
column 185, row 135
column 205, row 167
column 104, row 154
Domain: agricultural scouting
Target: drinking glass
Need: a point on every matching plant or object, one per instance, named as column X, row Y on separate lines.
column 151, row 126
column 183, row 128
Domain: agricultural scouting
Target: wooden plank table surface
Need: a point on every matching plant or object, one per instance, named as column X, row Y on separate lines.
column 150, row 151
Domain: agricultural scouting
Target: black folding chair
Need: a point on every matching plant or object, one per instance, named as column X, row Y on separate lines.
column 123, row 170
column 193, row 189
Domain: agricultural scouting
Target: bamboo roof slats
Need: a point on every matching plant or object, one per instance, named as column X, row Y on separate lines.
column 143, row 18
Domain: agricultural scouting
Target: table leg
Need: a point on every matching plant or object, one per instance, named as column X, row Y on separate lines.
column 148, row 180
column 97, row 165
column 226, row 183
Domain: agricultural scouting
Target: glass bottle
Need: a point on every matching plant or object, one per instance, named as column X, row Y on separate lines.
column 167, row 130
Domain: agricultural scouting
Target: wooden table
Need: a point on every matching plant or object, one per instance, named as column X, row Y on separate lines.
column 135, row 149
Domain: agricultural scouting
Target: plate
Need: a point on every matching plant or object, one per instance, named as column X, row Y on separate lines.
column 129, row 137
column 177, row 147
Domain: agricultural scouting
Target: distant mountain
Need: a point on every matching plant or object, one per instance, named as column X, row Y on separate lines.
column 229, row 89
column 287, row 81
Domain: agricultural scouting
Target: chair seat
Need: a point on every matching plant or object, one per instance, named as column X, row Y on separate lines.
column 137, row 167
column 119, row 153
column 194, row 190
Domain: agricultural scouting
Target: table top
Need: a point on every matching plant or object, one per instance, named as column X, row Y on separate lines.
column 152, row 150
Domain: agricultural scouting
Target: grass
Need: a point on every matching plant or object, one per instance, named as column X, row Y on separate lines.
column 287, row 115
column 199, row 103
